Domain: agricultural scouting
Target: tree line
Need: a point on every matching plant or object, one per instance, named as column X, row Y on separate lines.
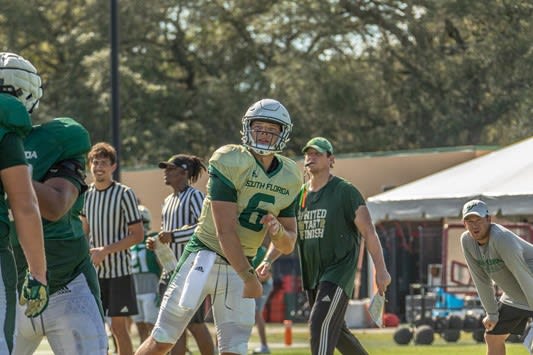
column 369, row 75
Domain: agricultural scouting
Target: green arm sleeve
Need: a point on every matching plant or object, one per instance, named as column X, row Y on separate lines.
column 12, row 151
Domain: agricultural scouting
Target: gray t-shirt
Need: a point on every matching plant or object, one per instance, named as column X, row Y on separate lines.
column 506, row 260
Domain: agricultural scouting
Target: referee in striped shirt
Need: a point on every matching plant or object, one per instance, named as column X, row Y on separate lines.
column 111, row 218
column 179, row 218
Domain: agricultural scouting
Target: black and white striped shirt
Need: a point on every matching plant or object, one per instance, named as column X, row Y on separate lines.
column 180, row 216
column 109, row 212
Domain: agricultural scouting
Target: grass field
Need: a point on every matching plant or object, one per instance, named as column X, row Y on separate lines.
column 376, row 341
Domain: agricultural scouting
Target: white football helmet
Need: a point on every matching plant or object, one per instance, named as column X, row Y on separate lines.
column 19, row 78
column 268, row 110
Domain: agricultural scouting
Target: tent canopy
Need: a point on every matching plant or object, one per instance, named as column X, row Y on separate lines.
column 503, row 179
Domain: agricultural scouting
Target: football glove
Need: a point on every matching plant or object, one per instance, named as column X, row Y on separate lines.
column 35, row 295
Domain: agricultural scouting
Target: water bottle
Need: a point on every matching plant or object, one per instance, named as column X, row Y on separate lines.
column 165, row 255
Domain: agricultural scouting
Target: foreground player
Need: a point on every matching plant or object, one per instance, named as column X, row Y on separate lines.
column 73, row 322
column 495, row 255
column 20, row 91
column 251, row 192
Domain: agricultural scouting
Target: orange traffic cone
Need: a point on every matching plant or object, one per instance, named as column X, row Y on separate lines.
column 288, row 331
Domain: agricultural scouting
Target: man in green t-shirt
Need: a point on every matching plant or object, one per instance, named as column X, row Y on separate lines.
column 56, row 151
column 20, row 91
column 333, row 222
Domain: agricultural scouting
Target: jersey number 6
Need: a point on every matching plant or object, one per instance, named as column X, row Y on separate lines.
column 251, row 216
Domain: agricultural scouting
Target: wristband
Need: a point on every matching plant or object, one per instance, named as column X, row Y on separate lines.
column 247, row 274
column 279, row 234
column 267, row 261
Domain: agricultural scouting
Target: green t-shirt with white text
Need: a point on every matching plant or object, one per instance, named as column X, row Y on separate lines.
column 328, row 240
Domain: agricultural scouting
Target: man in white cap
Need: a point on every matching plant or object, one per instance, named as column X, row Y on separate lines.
column 495, row 255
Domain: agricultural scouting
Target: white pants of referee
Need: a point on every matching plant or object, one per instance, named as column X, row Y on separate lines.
column 234, row 315
column 72, row 324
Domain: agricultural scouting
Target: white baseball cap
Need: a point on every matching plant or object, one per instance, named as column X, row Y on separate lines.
column 477, row 207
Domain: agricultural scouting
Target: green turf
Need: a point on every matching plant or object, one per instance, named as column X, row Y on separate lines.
column 376, row 343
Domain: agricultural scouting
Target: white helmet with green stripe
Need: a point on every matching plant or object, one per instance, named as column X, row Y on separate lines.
column 268, row 110
column 18, row 77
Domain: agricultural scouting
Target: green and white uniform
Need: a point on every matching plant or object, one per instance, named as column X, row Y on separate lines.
column 146, row 271
column 15, row 123
column 234, row 176
column 144, row 260
column 329, row 243
column 255, row 191
column 73, row 322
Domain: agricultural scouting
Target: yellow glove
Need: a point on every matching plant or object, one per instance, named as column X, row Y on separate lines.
column 35, row 295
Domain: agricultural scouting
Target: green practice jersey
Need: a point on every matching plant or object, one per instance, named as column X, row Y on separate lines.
column 255, row 192
column 47, row 144
column 15, row 123
column 143, row 260
column 328, row 240
column 13, row 117
column 66, row 247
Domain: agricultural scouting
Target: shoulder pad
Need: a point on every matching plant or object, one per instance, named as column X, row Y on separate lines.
column 72, row 137
column 13, row 117
column 231, row 155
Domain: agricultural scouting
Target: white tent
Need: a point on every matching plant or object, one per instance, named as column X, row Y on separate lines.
column 503, row 179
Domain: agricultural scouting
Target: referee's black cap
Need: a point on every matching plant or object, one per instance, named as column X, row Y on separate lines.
column 175, row 161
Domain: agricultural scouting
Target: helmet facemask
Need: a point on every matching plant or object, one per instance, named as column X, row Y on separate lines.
column 271, row 111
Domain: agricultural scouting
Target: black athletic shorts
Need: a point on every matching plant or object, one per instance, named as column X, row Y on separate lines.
column 118, row 296
column 511, row 320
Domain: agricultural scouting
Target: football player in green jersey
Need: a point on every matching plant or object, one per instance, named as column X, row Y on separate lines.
column 20, row 91
column 333, row 222
column 73, row 322
column 146, row 272
column 251, row 192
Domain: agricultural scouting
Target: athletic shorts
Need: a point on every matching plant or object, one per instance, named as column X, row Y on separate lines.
column 72, row 323
column 199, row 315
column 8, row 299
column 118, row 296
column 511, row 320
column 147, row 305
column 234, row 315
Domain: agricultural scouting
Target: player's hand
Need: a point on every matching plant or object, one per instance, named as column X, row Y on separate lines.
column 165, row 237
column 272, row 224
column 488, row 324
column 34, row 294
column 150, row 240
column 150, row 243
column 264, row 271
column 252, row 288
column 383, row 280
column 97, row 255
